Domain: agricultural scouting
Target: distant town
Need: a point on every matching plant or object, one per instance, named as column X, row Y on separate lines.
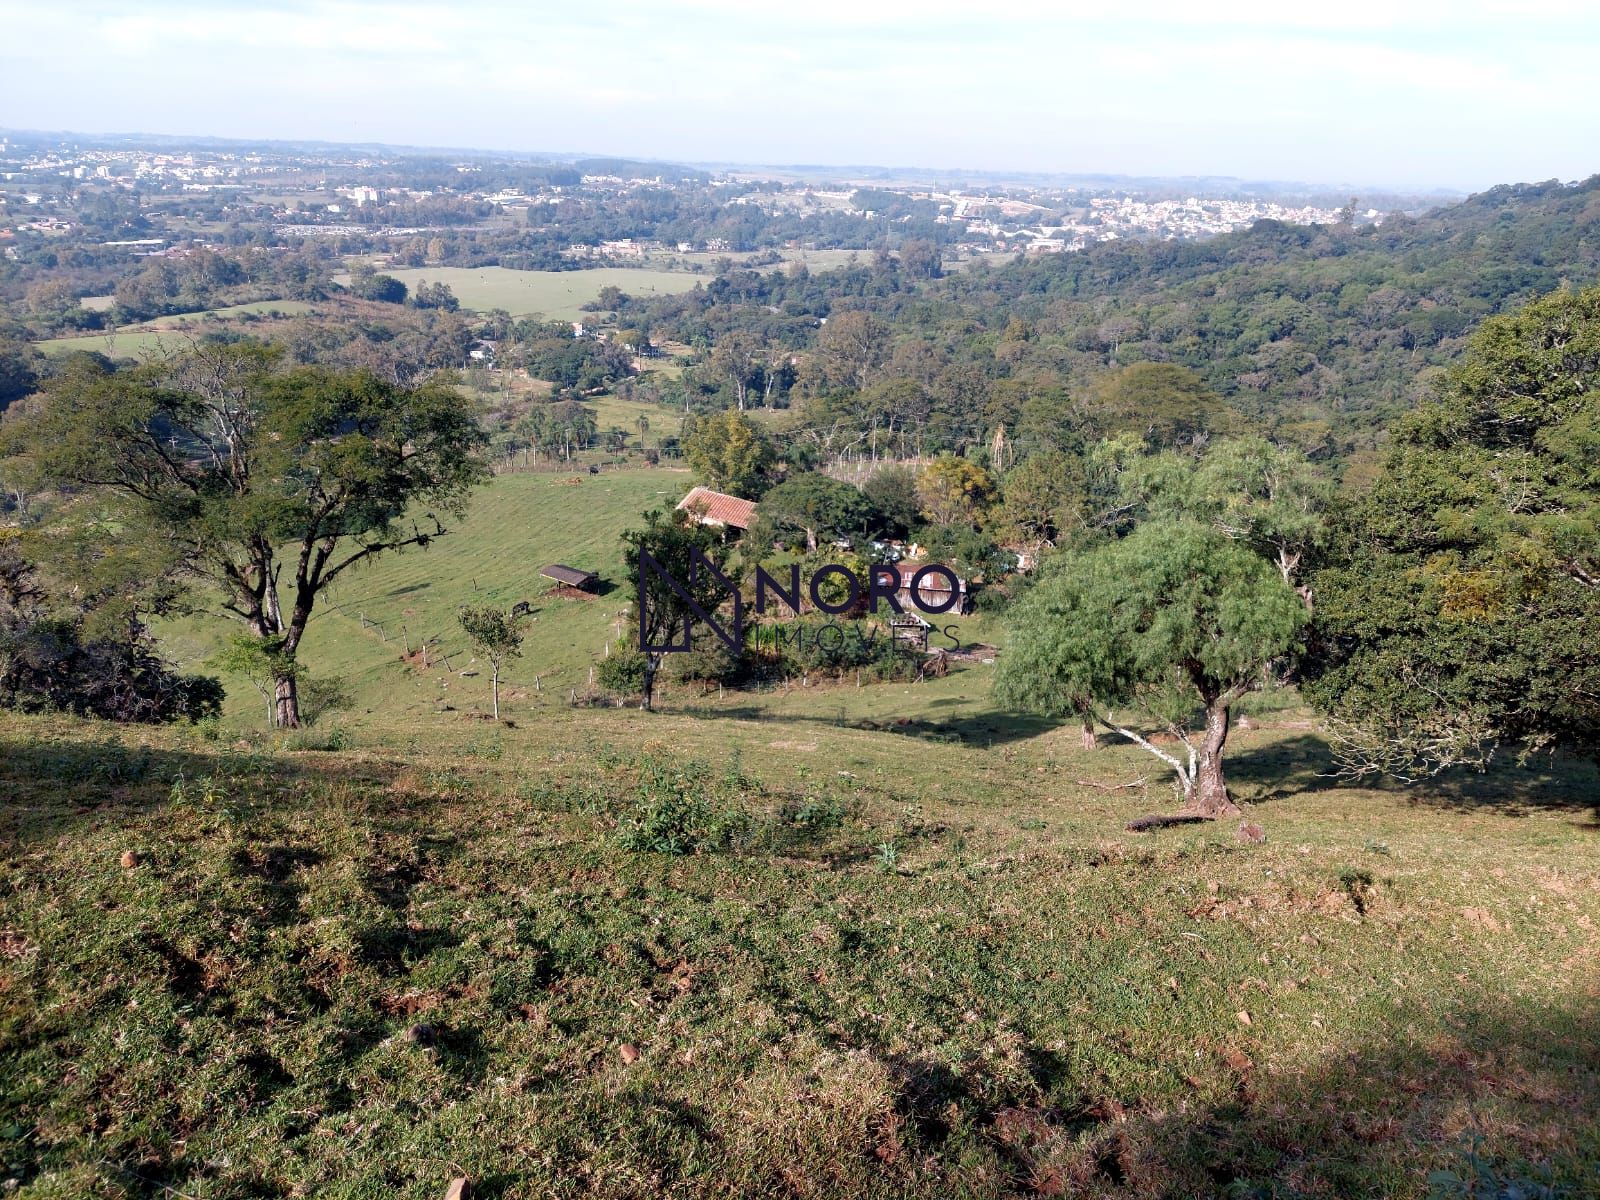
column 587, row 212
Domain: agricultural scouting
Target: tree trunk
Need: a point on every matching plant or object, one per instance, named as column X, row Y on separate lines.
column 1089, row 740
column 1209, row 794
column 286, row 702
column 648, row 699
column 494, row 690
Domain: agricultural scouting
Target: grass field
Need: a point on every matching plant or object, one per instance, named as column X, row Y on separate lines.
column 124, row 343
column 897, row 964
column 613, row 412
column 493, row 556
column 517, row 525
column 167, row 332
column 824, row 941
column 557, row 295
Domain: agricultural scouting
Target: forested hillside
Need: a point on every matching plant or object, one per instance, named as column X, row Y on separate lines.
column 1322, row 333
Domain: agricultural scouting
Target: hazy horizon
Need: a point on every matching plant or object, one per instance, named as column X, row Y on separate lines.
column 835, row 171
column 1410, row 97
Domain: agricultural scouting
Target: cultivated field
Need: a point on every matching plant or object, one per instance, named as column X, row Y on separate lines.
column 557, row 295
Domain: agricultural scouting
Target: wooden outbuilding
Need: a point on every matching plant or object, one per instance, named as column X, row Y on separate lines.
column 571, row 577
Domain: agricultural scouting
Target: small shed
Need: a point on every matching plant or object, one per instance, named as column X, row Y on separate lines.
column 570, row 577
column 933, row 591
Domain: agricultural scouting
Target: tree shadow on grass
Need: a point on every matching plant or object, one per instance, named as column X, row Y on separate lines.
column 52, row 786
column 982, row 729
column 1296, row 766
column 1505, row 1097
column 1560, row 782
column 1375, row 1119
column 1281, row 769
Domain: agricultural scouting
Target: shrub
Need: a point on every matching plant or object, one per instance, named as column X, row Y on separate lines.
column 709, row 662
column 861, row 646
column 681, row 808
column 622, row 671
column 331, row 738
column 53, row 664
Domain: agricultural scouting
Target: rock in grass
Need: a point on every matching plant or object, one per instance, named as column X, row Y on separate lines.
column 460, row 1189
column 421, row 1035
column 129, row 859
column 629, row 1053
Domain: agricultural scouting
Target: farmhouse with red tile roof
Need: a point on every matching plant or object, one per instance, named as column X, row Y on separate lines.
column 719, row 509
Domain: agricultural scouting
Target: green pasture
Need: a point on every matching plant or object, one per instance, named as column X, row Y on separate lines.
column 556, row 295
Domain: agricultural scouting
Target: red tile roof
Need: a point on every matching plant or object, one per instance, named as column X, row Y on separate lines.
column 717, row 508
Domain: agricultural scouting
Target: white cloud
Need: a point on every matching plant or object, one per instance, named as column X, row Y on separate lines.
column 1362, row 90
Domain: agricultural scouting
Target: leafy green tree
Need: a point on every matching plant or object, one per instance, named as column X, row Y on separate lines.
column 817, row 506
column 852, row 346
column 261, row 664
column 1167, row 405
column 952, row 490
column 892, row 494
column 1459, row 609
column 1044, row 496
column 729, row 452
column 1174, row 621
column 894, row 411
column 18, row 373
column 431, row 295
column 679, row 545
column 265, row 484
column 920, row 259
column 1269, row 497
column 571, row 424
column 1050, row 419
column 621, row 671
column 496, row 637
column 68, row 657
column 738, row 359
column 562, row 426
column 636, row 340
column 385, row 289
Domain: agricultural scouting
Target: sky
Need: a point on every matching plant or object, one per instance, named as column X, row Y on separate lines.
column 1435, row 93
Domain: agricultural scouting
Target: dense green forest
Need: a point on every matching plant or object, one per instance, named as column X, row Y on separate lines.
column 1319, row 334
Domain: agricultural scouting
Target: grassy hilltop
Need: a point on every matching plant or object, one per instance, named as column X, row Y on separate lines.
column 905, row 962
column 829, row 941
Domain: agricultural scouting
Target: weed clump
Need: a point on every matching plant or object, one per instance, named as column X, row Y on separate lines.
column 683, row 808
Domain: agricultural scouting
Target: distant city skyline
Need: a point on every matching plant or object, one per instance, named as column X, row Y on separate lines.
column 1410, row 96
